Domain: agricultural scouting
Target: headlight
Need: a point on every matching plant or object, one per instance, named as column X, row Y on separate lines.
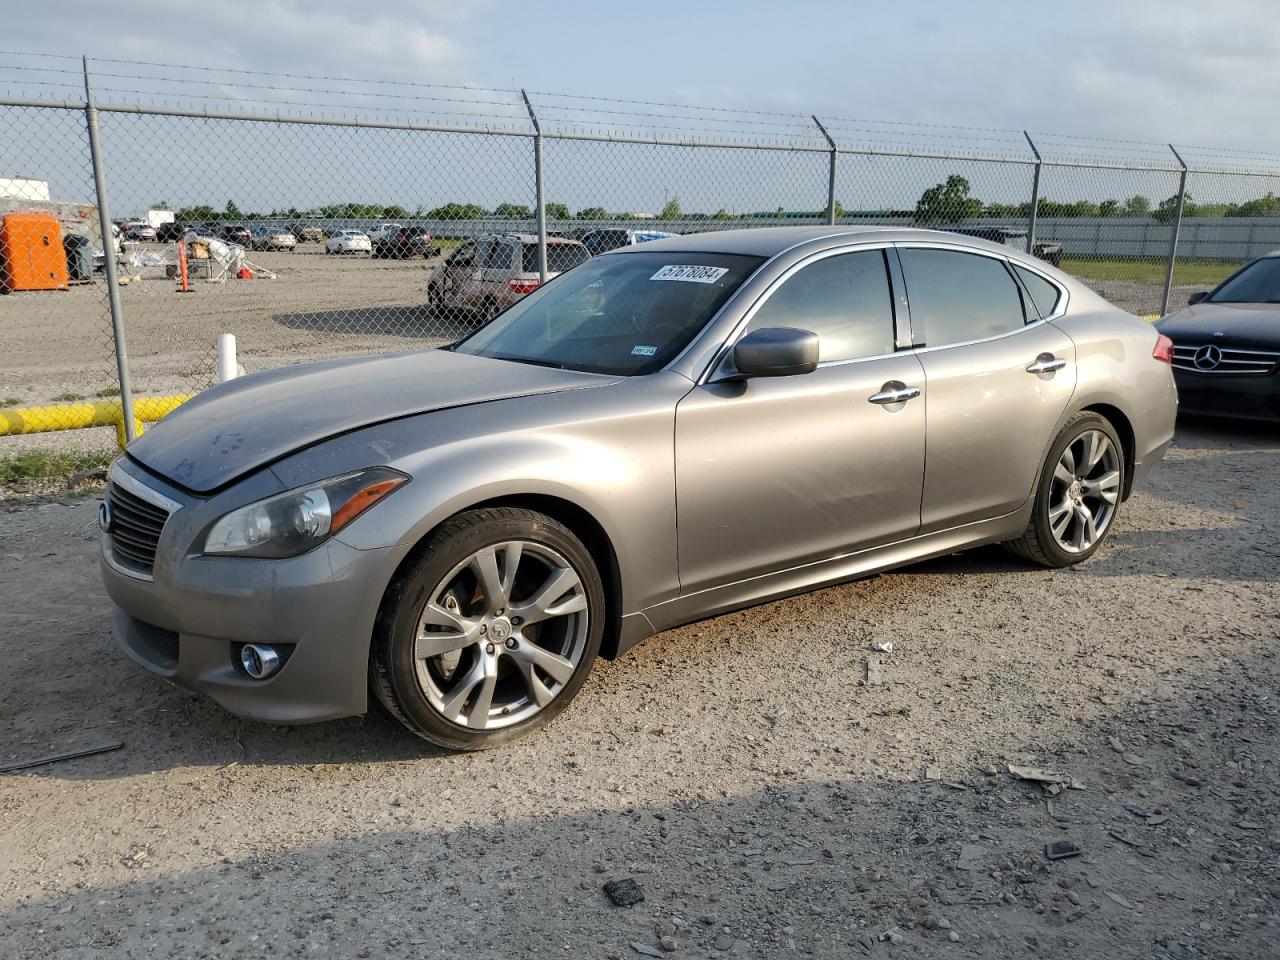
column 293, row 522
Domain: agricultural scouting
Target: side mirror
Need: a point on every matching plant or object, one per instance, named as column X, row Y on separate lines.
column 776, row 352
column 1197, row 297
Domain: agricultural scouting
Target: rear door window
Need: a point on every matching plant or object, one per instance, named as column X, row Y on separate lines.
column 845, row 299
column 560, row 257
column 956, row 297
column 500, row 257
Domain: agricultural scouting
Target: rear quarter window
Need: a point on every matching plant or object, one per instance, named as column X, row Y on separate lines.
column 1044, row 295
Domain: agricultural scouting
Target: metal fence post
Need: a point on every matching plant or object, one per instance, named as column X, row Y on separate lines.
column 539, row 188
column 831, row 175
column 109, row 258
column 1034, row 210
column 1177, row 227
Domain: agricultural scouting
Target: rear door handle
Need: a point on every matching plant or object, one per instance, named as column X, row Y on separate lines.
column 895, row 391
column 1046, row 363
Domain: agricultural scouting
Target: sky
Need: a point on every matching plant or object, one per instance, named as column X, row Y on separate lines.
column 1191, row 72
column 1187, row 70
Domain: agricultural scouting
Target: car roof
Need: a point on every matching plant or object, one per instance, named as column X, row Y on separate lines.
column 771, row 241
column 528, row 238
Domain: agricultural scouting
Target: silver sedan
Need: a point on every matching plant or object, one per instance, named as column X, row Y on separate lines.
column 663, row 433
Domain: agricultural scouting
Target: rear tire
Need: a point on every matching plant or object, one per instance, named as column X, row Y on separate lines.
column 489, row 630
column 1077, row 496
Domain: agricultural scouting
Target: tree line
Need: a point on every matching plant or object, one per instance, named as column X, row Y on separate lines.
column 950, row 201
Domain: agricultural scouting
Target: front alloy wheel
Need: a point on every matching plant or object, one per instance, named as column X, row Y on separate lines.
column 490, row 632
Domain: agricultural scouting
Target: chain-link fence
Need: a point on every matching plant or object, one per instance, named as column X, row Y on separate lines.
column 312, row 217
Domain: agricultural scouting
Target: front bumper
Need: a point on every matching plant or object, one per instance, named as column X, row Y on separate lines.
column 187, row 622
column 1245, row 397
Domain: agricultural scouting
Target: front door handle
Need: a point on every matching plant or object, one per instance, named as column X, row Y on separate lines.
column 1046, row 363
column 895, row 391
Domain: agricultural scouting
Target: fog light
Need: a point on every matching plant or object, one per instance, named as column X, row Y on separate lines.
column 259, row 661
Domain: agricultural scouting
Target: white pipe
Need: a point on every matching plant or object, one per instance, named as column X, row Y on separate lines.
column 227, row 367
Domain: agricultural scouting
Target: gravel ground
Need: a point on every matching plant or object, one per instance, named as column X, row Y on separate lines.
column 767, row 800
column 317, row 307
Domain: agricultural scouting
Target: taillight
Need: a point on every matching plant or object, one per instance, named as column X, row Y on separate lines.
column 1163, row 349
column 524, row 286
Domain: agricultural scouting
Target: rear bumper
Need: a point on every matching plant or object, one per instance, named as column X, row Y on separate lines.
column 318, row 609
column 1245, row 397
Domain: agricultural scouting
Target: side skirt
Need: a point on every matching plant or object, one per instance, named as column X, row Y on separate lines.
column 819, row 574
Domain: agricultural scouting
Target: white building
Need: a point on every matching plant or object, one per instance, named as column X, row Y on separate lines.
column 24, row 188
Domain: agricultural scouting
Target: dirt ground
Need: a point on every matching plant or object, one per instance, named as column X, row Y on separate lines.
column 767, row 800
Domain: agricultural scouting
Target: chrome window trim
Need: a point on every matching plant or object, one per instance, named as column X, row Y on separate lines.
column 728, row 304
column 1059, row 310
column 726, row 348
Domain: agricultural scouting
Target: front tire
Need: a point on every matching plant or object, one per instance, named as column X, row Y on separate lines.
column 490, row 630
column 1077, row 496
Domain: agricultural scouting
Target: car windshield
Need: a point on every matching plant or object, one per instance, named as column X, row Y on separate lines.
column 628, row 314
column 1259, row 282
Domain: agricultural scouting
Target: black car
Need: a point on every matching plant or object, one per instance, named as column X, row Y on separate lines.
column 1012, row 237
column 404, row 242
column 171, row 232
column 1226, row 345
column 236, row 233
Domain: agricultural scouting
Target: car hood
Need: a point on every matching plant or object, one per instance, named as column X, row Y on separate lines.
column 247, row 423
column 1225, row 323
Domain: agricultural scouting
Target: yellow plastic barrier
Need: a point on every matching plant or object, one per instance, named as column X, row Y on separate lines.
column 80, row 416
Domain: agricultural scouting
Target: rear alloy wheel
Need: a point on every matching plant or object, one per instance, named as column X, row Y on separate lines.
column 1078, row 495
column 491, row 631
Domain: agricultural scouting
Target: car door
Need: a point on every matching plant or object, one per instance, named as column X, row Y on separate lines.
column 999, row 379
column 499, row 267
column 776, row 472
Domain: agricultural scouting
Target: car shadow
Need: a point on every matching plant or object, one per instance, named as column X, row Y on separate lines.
column 757, row 861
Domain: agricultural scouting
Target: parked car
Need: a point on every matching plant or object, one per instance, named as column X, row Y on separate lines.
column 602, row 241
column 348, row 241
column 308, row 232
column 139, row 230
column 488, row 274
column 236, row 233
column 1226, row 345
column 465, row 530
column 271, row 238
column 380, row 230
column 1012, row 237
column 403, row 243
column 171, row 231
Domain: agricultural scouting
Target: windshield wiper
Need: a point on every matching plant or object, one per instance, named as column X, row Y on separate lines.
column 531, row 360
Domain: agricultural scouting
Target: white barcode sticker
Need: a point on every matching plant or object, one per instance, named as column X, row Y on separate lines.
column 690, row 273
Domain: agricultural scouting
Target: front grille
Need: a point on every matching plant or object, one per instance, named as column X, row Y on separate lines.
column 135, row 528
column 1215, row 359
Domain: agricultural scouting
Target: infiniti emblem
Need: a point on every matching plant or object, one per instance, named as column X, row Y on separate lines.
column 104, row 517
column 1207, row 358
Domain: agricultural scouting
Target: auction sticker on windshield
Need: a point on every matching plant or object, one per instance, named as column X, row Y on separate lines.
column 690, row 273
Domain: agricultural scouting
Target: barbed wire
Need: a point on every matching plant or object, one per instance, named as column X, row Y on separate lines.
column 714, row 119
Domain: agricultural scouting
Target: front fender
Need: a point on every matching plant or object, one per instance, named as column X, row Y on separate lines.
column 608, row 451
